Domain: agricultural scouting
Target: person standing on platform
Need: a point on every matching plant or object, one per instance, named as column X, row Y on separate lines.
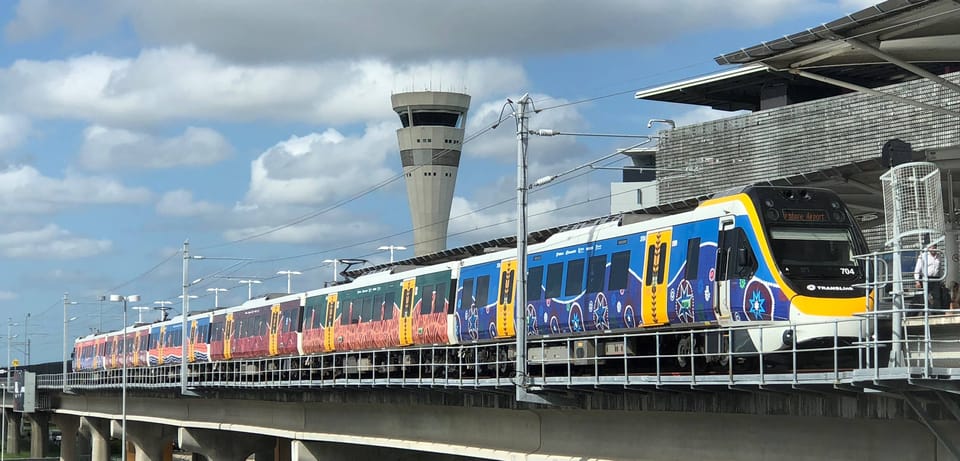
column 929, row 269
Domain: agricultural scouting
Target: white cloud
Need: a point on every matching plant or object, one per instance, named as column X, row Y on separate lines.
column 23, row 189
column 13, row 130
column 50, row 242
column 114, row 149
column 320, row 168
column 180, row 203
column 326, row 230
column 183, row 83
column 304, row 30
column 7, row 295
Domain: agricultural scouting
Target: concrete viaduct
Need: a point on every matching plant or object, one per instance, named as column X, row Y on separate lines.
column 437, row 424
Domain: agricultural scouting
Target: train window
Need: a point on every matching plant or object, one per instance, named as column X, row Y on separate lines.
column 535, row 283
column 693, row 258
column 483, row 290
column 466, row 295
column 326, row 310
column 662, row 263
column 596, row 266
column 507, row 280
column 389, row 299
column 366, row 309
column 574, row 282
column 426, row 299
column 554, row 280
column 314, row 312
column 619, row 271
column 746, row 261
column 377, row 307
column 354, row 307
column 439, row 303
column 723, row 255
column 451, row 297
column 648, row 277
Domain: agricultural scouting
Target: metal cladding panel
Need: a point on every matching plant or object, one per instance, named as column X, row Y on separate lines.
column 803, row 137
column 431, row 100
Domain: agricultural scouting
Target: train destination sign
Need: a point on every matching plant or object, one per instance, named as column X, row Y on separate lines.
column 804, row 215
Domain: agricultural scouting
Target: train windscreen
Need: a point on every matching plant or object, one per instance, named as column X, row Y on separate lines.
column 815, row 253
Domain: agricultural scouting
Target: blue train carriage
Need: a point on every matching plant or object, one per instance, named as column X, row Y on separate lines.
column 198, row 345
column 786, row 259
column 166, row 341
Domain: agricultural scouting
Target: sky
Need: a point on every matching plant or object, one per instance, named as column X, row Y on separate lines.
column 262, row 133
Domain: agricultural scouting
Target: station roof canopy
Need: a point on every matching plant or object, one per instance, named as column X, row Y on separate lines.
column 867, row 49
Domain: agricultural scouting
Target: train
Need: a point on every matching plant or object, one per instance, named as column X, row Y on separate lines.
column 757, row 269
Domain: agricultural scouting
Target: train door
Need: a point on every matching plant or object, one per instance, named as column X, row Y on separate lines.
column 407, row 297
column 721, row 304
column 160, row 345
column 656, row 299
column 506, row 299
column 191, row 342
column 273, row 330
column 329, row 343
column 228, row 337
column 136, row 349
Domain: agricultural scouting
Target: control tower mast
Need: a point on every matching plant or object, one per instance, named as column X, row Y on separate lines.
column 430, row 143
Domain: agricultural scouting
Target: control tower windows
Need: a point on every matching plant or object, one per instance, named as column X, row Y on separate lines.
column 450, row 119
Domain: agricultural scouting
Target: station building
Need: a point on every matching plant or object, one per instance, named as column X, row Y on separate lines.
column 834, row 106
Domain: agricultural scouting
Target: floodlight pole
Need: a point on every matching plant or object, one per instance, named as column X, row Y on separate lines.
column 184, row 313
column 66, row 302
column 520, row 304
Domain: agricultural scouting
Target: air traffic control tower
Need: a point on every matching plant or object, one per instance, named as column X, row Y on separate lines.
column 430, row 142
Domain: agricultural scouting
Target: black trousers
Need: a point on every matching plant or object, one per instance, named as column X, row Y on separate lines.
column 936, row 294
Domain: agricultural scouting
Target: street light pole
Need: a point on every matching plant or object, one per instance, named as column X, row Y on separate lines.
column 392, row 248
column 26, row 339
column 334, row 262
column 250, row 284
column 123, row 383
column 66, row 303
column 288, row 274
column 216, row 295
column 100, row 299
column 184, row 312
column 520, row 304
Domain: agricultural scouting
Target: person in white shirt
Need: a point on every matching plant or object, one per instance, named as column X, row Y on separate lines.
column 928, row 269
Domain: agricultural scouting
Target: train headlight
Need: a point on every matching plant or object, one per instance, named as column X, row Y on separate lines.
column 787, row 338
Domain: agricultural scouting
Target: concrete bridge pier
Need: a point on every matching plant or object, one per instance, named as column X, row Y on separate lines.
column 12, row 420
column 150, row 441
column 69, row 426
column 225, row 445
column 39, row 434
column 99, row 430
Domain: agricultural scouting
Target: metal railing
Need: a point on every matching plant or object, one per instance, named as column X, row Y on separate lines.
column 627, row 359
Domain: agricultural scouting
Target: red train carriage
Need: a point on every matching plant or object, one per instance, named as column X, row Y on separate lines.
column 320, row 314
column 432, row 302
column 368, row 317
column 259, row 328
column 87, row 355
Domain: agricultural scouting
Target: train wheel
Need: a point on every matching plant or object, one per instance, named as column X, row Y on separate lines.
column 684, row 347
